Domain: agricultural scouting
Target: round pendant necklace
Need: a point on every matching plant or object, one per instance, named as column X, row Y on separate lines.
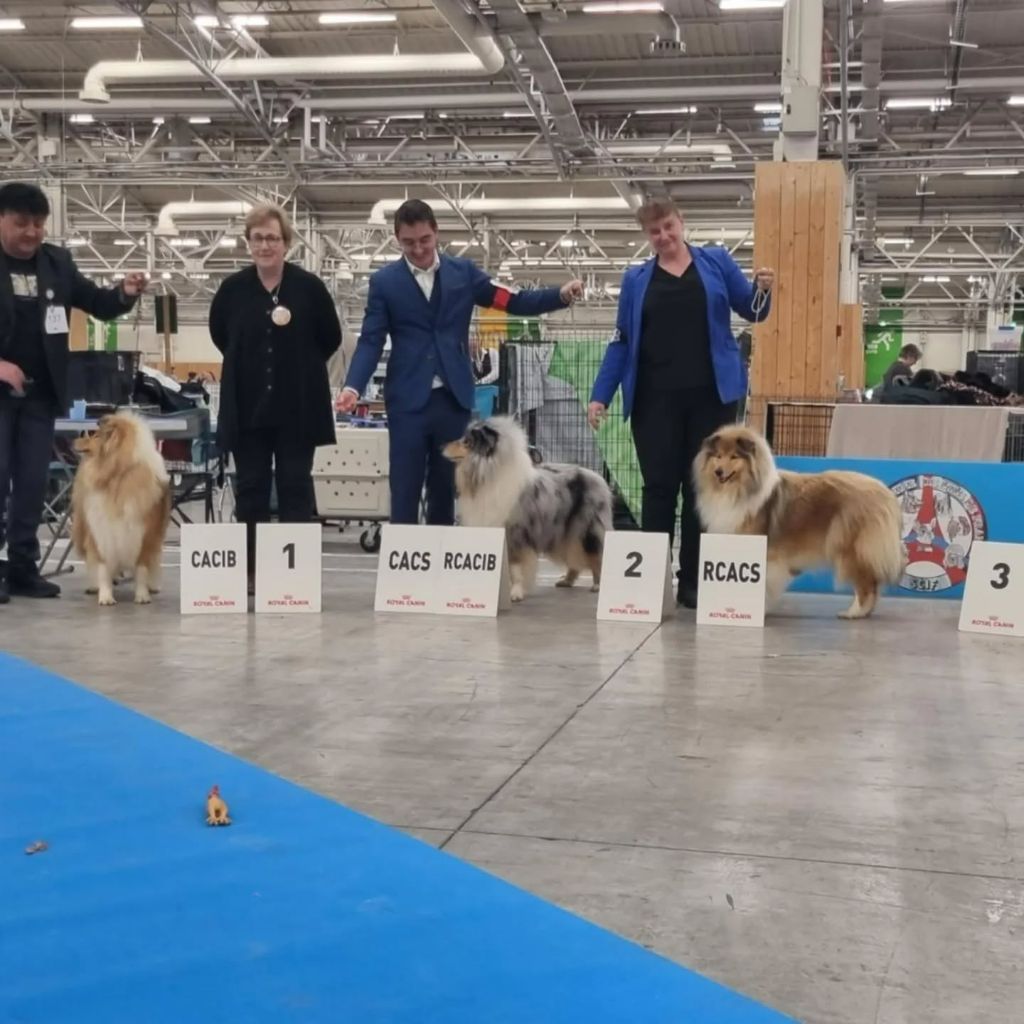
column 281, row 315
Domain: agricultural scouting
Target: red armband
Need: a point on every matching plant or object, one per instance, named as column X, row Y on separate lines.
column 501, row 297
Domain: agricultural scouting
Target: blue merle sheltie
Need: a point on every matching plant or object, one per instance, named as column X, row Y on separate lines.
column 562, row 512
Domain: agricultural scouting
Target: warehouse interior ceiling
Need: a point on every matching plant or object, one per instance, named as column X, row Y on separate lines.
column 535, row 127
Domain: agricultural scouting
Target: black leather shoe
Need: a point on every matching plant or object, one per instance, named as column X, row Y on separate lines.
column 687, row 596
column 5, row 594
column 28, row 583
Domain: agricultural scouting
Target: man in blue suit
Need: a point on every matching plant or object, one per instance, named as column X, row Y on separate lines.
column 425, row 302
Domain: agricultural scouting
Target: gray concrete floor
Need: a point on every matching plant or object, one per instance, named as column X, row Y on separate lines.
column 824, row 815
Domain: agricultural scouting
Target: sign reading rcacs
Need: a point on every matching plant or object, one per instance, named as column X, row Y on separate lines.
column 731, row 584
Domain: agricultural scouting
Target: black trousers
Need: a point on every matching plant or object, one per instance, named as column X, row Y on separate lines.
column 263, row 458
column 668, row 430
column 26, row 449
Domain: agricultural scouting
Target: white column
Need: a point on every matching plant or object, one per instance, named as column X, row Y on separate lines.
column 802, row 27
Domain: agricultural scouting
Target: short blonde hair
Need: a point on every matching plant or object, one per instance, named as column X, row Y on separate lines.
column 657, row 209
column 268, row 211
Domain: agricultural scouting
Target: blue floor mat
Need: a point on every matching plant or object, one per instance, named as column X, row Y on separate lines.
column 302, row 910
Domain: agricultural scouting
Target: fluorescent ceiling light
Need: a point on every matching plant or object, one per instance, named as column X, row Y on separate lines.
column 993, row 172
column 933, row 279
column 939, row 103
column 185, row 243
column 356, row 17
column 895, row 241
column 199, row 119
column 107, row 21
column 750, row 5
column 768, row 108
column 668, row 110
column 623, row 7
column 227, row 243
column 566, row 243
column 250, row 21
column 82, row 119
column 11, row 25
column 76, row 241
column 1016, row 101
column 158, row 120
column 166, row 275
column 207, row 21
column 769, row 124
column 124, row 242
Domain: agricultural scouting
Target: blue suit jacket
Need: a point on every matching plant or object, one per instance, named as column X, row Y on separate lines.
column 429, row 338
column 726, row 289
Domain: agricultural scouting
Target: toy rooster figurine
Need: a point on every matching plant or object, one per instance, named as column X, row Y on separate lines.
column 216, row 809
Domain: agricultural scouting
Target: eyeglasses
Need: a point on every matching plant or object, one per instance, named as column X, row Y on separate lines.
column 264, row 239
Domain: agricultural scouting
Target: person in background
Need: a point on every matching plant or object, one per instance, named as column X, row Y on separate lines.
column 276, row 326
column 909, row 357
column 39, row 286
column 679, row 367
column 425, row 302
column 486, row 365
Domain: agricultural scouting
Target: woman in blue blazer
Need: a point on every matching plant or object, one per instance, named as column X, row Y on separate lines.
column 679, row 367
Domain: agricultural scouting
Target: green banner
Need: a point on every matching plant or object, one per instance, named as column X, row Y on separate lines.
column 882, row 341
column 110, row 336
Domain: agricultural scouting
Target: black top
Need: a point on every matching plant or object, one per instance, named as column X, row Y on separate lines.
column 26, row 342
column 275, row 375
column 23, row 340
column 675, row 346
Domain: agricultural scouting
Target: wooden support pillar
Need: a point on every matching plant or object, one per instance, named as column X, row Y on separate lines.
column 798, row 226
column 851, row 344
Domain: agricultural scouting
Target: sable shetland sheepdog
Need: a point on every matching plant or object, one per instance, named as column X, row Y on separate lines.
column 121, row 505
column 847, row 520
column 559, row 511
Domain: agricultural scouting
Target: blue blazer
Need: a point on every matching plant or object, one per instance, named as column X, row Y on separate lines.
column 431, row 338
column 726, row 289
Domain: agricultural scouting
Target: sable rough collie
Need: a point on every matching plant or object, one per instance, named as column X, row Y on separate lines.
column 121, row 505
column 846, row 520
column 562, row 512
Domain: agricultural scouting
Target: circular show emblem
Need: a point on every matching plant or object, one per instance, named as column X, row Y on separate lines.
column 941, row 522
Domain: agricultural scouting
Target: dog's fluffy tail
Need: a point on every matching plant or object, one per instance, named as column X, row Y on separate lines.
column 879, row 544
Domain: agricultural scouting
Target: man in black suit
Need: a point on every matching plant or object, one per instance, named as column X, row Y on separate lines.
column 39, row 284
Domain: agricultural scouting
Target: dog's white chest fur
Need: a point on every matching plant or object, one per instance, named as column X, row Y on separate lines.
column 721, row 513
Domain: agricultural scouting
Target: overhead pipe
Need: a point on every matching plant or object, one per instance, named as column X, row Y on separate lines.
column 165, row 224
column 484, row 57
column 529, row 205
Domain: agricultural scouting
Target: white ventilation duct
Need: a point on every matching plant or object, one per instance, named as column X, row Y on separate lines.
column 383, row 209
column 165, row 224
column 484, row 58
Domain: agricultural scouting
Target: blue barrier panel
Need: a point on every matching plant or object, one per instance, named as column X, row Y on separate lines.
column 947, row 508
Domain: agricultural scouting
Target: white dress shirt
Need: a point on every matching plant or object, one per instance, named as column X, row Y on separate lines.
column 425, row 279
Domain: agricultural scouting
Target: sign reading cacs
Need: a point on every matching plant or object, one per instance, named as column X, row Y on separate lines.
column 443, row 570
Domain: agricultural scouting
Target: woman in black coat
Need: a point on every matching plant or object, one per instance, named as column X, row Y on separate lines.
column 276, row 326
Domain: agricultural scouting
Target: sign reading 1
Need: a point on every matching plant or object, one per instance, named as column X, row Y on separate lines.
column 289, row 567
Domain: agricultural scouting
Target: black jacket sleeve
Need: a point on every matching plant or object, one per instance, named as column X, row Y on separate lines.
column 102, row 303
column 218, row 320
column 328, row 327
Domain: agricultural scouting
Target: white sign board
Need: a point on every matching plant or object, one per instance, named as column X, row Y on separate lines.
column 406, row 568
column 994, row 592
column 636, row 577
column 213, row 575
column 443, row 570
column 472, row 576
column 731, row 580
column 289, row 574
